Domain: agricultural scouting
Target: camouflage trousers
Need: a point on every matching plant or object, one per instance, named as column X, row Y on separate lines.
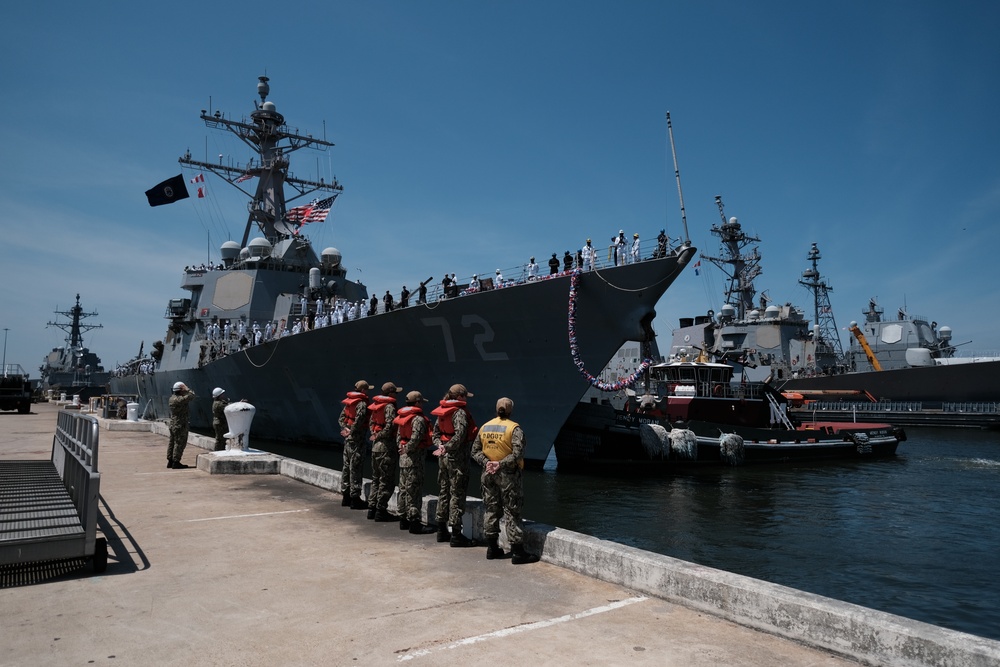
column 220, row 435
column 350, row 476
column 503, row 496
column 178, row 440
column 384, row 464
column 411, row 485
column 453, row 484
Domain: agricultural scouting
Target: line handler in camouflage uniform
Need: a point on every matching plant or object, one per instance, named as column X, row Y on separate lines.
column 499, row 449
column 219, row 422
column 180, row 421
column 453, row 434
column 412, row 440
column 354, row 427
column 385, row 454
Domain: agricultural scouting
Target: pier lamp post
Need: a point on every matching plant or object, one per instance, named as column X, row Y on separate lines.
column 5, row 330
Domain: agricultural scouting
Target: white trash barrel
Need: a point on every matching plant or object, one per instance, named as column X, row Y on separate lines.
column 132, row 412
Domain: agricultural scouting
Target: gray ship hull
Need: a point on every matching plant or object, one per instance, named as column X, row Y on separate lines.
column 974, row 382
column 507, row 342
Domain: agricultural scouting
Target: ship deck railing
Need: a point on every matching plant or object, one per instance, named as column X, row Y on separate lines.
column 519, row 276
column 905, row 406
column 49, row 508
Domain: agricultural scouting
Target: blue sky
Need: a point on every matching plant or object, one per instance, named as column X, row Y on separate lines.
column 472, row 135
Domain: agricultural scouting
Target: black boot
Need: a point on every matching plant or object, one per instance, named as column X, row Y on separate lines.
column 460, row 540
column 443, row 534
column 383, row 516
column 417, row 528
column 371, row 513
column 358, row 504
column 520, row 556
column 404, row 523
column 170, row 464
column 346, row 500
column 493, row 550
column 178, row 465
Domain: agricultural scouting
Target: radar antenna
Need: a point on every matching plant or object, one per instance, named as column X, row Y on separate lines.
column 829, row 338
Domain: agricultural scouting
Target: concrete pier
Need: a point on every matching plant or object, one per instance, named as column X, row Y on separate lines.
column 265, row 567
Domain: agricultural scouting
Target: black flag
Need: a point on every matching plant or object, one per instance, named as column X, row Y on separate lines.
column 167, row 192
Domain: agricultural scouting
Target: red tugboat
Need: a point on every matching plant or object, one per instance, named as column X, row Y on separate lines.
column 692, row 412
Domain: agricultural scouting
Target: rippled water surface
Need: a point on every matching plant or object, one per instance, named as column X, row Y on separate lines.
column 917, row 535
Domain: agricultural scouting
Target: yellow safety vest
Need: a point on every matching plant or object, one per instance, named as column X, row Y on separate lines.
column 497, row 438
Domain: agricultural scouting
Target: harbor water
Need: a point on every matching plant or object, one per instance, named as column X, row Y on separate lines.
column 916, row 535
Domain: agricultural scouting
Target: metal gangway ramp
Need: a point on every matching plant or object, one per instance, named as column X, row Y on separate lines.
column 48, row 509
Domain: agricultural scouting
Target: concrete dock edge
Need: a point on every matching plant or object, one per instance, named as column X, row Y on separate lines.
column 859, row 633
column 847, row 629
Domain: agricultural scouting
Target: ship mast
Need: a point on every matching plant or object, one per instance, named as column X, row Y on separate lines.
column 268, row 136
column 829, row 338
column 740, row 268
column 74, row 328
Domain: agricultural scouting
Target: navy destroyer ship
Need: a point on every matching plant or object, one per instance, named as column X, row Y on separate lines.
column 72, row 368
column 906, row 358
column 284, row 326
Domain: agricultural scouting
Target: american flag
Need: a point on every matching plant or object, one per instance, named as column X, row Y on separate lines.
column 314, row 211
column 244, row 177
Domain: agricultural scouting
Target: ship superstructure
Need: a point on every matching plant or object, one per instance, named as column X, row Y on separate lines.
column 286, row 329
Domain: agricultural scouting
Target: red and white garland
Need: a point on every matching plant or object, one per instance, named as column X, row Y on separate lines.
column 575, row 351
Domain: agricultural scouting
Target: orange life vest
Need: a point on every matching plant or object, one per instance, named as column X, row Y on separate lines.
column 404, row 420
column 445, row 412
column 352, row 401
column 376, row 413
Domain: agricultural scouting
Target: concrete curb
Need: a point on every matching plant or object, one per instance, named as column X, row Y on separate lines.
column 847, row 629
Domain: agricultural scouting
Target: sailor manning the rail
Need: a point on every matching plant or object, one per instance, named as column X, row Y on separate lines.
column 589, row 255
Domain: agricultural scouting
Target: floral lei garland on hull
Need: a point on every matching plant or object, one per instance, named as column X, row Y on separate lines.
column 575, row 350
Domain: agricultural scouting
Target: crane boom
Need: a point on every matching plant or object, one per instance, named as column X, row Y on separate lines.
column 864, row 346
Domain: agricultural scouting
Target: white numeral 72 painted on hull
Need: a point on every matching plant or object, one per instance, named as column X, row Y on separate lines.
column 485, row 335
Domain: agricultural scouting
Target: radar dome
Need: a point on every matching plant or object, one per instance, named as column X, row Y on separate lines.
column 753, row 315
column 728, row 311
column 230, row 250
column 944, row 333
column 259, row 247
column 331, row 257
column 771, row 313
column 268, row 106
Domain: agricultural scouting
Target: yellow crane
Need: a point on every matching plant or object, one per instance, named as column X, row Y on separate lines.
column 864, row 346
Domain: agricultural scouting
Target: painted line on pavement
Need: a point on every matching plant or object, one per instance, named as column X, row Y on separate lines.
column 537, row 625
column 242, row 516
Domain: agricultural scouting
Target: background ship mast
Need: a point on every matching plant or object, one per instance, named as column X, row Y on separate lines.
column 828, row 342
column 268, row 136
column 74, row 327
column 740, row 268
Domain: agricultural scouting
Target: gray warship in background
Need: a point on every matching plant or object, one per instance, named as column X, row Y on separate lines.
column 72, row 368
column 512, row 339
column 909, row 358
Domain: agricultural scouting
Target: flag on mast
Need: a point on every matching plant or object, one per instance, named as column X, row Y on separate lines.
column 314, row 211
column 167, row 192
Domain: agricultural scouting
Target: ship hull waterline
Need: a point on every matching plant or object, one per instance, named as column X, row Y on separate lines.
column 509, row 342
